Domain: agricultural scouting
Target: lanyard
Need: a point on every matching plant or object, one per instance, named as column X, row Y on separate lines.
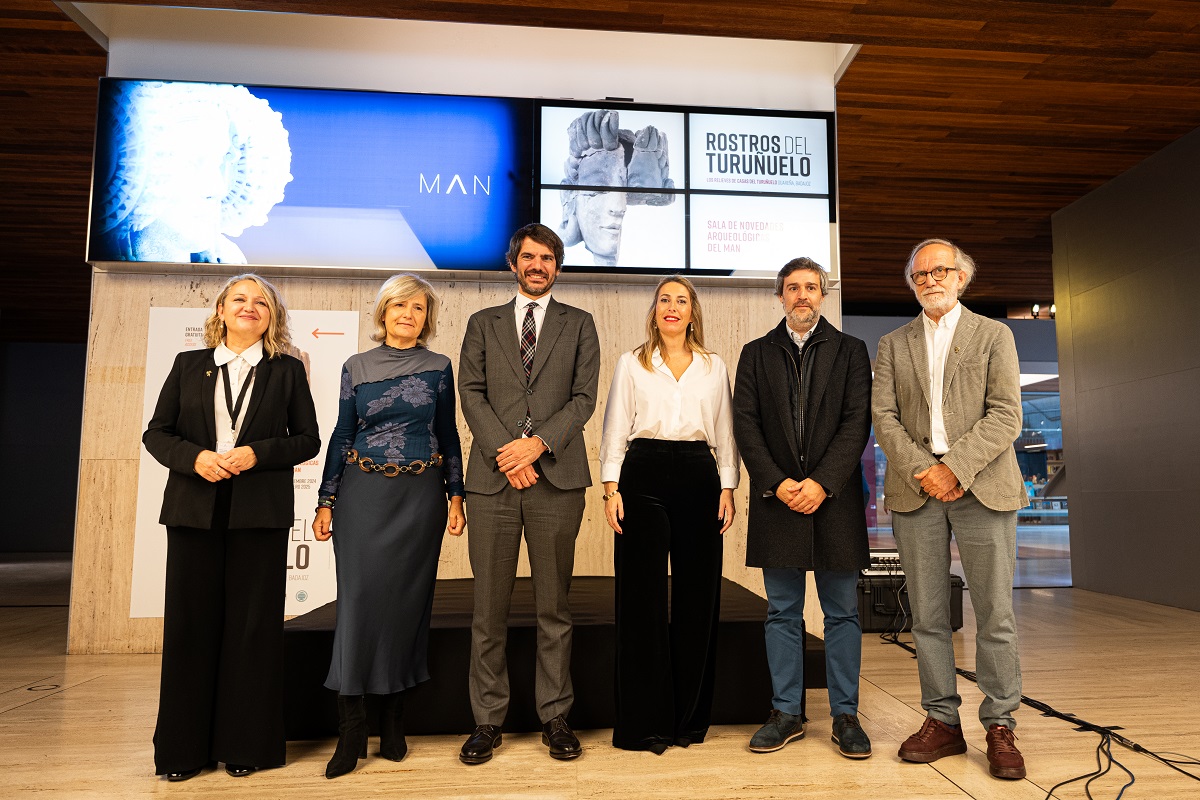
column 234, row 410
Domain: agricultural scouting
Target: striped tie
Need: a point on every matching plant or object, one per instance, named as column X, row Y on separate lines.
column 528, row 345
column 528, row 339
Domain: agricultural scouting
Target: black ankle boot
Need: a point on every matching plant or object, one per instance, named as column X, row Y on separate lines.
column 391, row 727
column 352, row 736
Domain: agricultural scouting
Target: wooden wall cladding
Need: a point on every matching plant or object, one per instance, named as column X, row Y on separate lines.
column 112, row 420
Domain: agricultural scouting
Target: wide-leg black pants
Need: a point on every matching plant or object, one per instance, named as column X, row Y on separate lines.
column 221, row 692
column 666, row 647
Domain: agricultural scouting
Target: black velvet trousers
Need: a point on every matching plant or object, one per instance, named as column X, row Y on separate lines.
column 667, row 630
column 221, row 692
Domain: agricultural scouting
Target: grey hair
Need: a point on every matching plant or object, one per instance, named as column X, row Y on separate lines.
column 797, row 264
column 961, row 260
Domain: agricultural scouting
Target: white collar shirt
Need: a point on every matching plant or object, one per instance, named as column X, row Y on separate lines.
column 239, row 366
column 801, row 338
column 539, row 311
column 938, row 336
column 651, row 404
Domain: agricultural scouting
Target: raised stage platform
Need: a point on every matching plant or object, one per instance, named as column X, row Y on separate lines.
column 441, row 705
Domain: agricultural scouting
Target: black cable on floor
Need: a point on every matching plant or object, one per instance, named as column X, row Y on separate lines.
column 1103, row 751
column 1107, row 736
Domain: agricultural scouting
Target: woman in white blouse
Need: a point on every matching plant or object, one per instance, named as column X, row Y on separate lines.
column 670, row 499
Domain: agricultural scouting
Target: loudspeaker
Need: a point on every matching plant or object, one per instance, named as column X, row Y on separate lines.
column 883, row 603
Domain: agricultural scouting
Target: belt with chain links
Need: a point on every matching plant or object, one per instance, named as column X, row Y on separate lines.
column 392, row 470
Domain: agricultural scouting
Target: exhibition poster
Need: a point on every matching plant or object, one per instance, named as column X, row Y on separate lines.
column 323, row 340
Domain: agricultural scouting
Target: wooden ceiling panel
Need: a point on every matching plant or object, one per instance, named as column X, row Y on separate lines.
column 968, row 120
column 49, row 70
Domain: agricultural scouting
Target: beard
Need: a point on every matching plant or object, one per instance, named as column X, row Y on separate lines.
column 938, row 304
column 535, row 291
column 801, row 318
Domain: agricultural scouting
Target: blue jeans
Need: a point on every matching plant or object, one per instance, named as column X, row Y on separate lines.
column 838, row 593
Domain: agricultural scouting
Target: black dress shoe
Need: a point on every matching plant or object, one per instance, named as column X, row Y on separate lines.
column 564, row 744
column 176, row 777
column 478, row 748
column 238, row 770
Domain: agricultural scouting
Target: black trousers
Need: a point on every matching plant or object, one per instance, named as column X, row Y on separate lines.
column 666, row 648
column 221, row 694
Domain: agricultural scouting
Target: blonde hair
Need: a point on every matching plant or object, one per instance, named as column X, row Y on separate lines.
column 694, row 337
column 278, row 337
column 405, row 286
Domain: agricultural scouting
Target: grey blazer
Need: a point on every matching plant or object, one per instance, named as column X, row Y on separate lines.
column 981, row 408
column 559, row 397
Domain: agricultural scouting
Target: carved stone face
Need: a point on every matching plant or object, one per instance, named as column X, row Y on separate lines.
column 600, row 214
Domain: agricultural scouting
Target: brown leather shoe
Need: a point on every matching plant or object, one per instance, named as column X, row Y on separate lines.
column 1004, row 759
column 935, row 740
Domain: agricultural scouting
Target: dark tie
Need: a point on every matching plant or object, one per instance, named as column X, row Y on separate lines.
column 528, row 339
column 528, row 345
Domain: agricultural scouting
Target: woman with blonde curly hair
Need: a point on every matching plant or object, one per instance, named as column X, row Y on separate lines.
column 393, row 461
column 232, row 421
column 669, row 466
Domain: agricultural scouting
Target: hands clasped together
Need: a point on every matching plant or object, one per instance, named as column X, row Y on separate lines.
column 803, row 497
column 516, row 458
column 214, row 466
column 940, row 483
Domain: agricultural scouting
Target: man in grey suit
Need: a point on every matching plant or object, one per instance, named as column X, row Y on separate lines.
column 947, row 408
column 527, row 382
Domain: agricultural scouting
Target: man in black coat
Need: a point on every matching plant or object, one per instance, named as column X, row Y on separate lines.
column 802, row 417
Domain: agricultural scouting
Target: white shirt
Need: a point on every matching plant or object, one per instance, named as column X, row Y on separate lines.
column 651, row 404
column 539, row 312
column 801, row 338
column 938, row 336
column 239, row 369
column 539, row 316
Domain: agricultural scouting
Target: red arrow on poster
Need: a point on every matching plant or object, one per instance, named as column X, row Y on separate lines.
column 318, row 332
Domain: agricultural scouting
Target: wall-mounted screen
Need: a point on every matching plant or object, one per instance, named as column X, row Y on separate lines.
column 272, row 176
column 717, row 191
column 200, row 172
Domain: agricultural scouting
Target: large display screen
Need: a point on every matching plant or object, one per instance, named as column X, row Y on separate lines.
column 199, row 172
column 718, row 191
column 239, row 174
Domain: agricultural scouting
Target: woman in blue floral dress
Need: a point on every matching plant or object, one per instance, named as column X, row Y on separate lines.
column 393, row 460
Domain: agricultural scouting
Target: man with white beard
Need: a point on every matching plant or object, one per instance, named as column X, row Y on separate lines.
column 946, row 404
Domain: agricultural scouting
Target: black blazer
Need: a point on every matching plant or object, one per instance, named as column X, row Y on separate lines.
column 280, row 425
column 837, row 425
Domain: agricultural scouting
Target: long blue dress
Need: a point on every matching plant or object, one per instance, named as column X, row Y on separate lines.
column 395, row 406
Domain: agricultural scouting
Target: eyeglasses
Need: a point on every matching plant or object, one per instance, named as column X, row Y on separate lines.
column 938, row 273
